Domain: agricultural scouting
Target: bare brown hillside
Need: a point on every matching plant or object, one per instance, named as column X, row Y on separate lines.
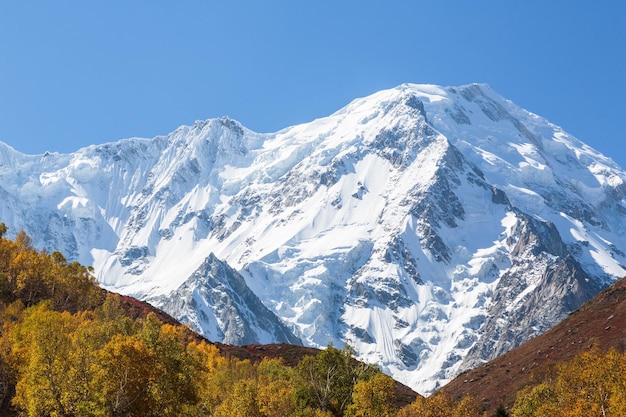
column 600, row 322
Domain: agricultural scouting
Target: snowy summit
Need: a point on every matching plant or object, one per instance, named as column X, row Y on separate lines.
column 430, row 228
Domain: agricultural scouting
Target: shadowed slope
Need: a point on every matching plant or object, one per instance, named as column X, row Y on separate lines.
column 601, row 322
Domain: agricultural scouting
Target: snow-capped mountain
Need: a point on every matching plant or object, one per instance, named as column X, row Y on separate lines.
column 430, row 228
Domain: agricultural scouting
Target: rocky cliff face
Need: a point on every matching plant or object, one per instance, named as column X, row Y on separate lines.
column 543, row 285
column 216, row 302
column 431, row 228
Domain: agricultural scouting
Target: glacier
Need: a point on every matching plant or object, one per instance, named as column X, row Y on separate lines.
column 431, row 228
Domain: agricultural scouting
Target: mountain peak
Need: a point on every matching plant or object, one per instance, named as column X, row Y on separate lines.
column 417, row 224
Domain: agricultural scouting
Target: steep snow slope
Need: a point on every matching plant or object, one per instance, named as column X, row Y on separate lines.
column 217, row 300
column 431, row 228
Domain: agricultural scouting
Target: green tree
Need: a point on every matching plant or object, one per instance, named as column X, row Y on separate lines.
column 329, row 378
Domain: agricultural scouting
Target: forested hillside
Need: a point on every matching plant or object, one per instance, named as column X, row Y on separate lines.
column 68, row 348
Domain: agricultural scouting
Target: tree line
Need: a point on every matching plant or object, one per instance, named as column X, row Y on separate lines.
column 69, row 349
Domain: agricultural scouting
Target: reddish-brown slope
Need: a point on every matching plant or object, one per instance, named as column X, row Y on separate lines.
column 290, row 354
column 600, row 322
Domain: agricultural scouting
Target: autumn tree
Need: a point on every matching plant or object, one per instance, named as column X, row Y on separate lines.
column 33, row 276
column 41, row 351
column 592, row 384
column 212, row 382
column 126, row 369
column 373, row 397
column 530, row 400
column 242, row 402
column 174, row 387
column 329, row 378
column 276, row 388
column 438, row 405
column 441, row 405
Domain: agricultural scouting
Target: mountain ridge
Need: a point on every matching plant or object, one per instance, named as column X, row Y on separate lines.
column 411, row 223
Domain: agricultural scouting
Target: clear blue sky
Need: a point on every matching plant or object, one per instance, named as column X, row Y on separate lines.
column 75, row 73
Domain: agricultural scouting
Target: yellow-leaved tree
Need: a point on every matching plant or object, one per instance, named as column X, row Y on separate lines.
column 276, row 388
column 373, row 397
column 441, row 405
column 41, row 356
column 591, row 385
column 126, row 368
